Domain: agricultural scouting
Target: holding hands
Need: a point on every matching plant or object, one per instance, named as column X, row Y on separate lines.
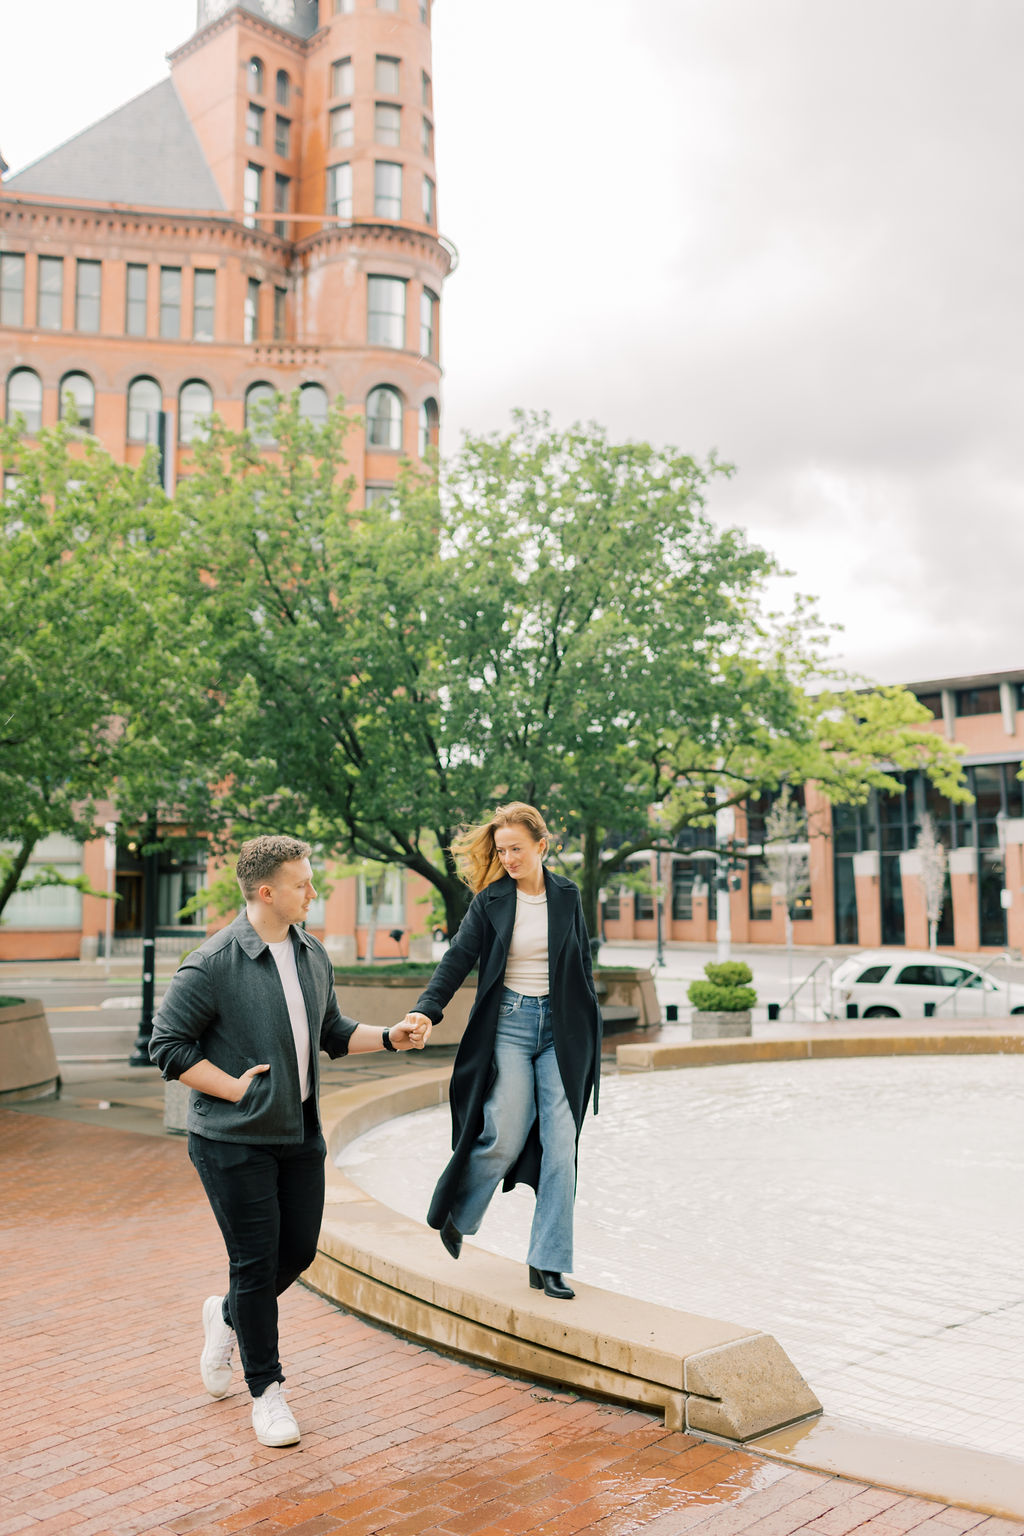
column 412, row 1033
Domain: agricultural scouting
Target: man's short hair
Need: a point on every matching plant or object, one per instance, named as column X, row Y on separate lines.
column 261, row 857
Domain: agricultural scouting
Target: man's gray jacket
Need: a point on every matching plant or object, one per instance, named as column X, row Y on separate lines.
column 226, row 1004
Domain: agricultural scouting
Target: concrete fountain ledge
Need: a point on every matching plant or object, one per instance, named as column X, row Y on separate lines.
column 709, row 1376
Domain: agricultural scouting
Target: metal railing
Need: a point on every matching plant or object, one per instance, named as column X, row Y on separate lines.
column 969, row 976
column 828, row 965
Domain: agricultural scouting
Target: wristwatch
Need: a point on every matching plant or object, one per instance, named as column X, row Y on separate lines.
column 386, row 1039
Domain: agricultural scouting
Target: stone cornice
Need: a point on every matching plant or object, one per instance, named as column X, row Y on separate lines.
column 258, row 24
column 123, row 219
column 378, row 237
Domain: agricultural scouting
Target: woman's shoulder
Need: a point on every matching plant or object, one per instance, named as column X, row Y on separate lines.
column 561, row 882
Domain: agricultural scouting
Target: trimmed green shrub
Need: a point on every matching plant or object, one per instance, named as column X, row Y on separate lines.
column 726, row 989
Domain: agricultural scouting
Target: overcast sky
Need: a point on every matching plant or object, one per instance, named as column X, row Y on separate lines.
column 790, row 230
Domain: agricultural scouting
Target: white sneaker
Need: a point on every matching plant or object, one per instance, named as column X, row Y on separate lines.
column 215, row 1365
column 272, row 1419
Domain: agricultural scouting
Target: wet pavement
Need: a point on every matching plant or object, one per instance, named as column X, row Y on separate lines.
column 109, row 1248
column 865, row 1212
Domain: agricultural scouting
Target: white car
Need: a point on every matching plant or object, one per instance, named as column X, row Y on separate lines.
column 897, row 984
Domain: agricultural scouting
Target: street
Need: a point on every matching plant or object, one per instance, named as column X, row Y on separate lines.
column 94, row 1018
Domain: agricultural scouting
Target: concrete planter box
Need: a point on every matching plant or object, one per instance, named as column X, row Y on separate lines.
column 721, row 1026
column 380, row 999
column 28, row 1061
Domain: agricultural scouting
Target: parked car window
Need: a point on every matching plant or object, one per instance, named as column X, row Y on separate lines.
column 873, row 973
column 953, row 975
column 920, row 976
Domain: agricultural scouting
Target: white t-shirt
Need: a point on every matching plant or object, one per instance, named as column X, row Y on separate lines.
column 527, row 967
column 284, row 959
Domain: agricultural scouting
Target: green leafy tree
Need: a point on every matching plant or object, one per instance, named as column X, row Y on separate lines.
column 103, row 688
column 558, row 621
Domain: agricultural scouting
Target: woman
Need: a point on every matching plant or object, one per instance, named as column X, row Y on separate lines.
column 531, row 1053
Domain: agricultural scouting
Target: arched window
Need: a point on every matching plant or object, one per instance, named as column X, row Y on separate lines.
column 25, row 398
column 255, row 74
column 145, row 402
column 260, row 401
column 283, row 88
column 428, row 424
column 79, row 388
column 313, row 404
column 195, row 403
column 384, row 418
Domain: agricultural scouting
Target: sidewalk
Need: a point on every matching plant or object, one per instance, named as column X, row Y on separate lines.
column 109, row 1250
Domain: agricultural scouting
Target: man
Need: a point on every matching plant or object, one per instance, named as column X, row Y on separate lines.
column 243, row 1023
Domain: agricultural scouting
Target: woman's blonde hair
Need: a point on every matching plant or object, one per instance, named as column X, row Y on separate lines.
column 475, row 854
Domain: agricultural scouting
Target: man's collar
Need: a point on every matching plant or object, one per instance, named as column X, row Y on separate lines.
column 253, row 944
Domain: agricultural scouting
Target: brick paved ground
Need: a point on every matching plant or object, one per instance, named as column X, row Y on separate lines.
column 108, row 1251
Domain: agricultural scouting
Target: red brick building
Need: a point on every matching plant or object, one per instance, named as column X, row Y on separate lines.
column 263, row 219
column 865, row 884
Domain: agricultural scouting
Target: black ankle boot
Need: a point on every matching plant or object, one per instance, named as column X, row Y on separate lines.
column 451, row 1237
column 551, row 1283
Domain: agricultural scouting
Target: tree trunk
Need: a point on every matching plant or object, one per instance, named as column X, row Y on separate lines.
column 17, row 869
column 590, row 885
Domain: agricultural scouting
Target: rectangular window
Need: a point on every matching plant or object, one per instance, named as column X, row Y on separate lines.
column 49, row 906
column 344, row 7
column 170, row 302
column 374, row 494
column 932, row 701
column 87, row 295
column 12, row 290
column 387, row 123
column 428, row 319
column 386, row 312
column 251, row 330
column 387, row 190
column 425, row 11
column 428, row 138
column 252, row 194
column 50, row 304
column 387, row 5
column 280, row 311
column 203, row 295
column 342, row 78
column 385, row 77
column 978, row 701
column 342, row 128
column 339, row 191
column 282, row 201
column 254, row 125
column 427, row 93
column 135, row 298
column 282, row 137
column 428, row 200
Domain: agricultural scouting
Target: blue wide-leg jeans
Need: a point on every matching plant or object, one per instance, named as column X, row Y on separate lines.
column 528, row 1086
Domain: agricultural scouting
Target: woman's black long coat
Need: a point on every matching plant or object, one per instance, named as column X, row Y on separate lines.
column 484, row 937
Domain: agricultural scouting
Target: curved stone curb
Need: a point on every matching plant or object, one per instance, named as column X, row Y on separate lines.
column 637, row 1057
column 28, row 1062
column 704, row 1374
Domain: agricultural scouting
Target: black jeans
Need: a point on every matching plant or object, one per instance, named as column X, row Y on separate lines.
column 269, row 1202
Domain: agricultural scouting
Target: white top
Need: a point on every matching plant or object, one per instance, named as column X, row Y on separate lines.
column 527, row 968
column 284, row 959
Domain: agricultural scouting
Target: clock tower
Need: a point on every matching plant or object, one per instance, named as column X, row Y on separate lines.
column 300, row 17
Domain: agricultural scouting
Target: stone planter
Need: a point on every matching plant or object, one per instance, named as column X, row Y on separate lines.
column 380, row 1000
column 721, row 1026
column 28, row 1061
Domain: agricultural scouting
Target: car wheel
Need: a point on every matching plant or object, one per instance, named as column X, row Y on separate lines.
column 1017, row 1010
column 880, row 1013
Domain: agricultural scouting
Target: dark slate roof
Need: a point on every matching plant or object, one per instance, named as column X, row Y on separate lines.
column 145, row 154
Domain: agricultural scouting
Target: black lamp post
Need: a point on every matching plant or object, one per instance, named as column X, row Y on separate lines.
column 150, row 887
